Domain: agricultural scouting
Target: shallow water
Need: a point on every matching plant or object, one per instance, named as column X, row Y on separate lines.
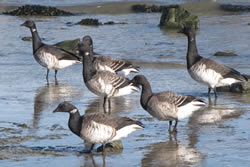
column 31, row 135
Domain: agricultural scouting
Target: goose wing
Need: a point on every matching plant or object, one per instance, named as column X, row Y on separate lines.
column 113, row 79
column 165, row 105
column 113, row 63
column 59, row 53
column 111, row 120
column 174, row 98
column 225, row 71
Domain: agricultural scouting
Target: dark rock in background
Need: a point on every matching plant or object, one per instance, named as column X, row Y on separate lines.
column 89, row 22
column 37, row 10
column 95, row 22
column 177, row 17
column 150, row 8
column 225, row 54
column 235, row 8
column 29, row 39
column 112, row 23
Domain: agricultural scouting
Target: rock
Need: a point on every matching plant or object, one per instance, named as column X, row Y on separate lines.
column 89, row 22
column 68, row 45
column 138, row 8
column 225, row 54
column 37, row 10
column 242, row 87
column 29, row 39
column 95, row 22
column 114, row 147
column 235, row 8
column 177, row 17
column 112, row 23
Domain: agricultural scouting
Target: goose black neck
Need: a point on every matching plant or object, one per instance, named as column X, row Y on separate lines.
column 192, row 54
column 146, row 92
column 88, row 66
column 75, row 123
column 36, row 40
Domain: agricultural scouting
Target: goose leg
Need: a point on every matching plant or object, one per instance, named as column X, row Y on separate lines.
column 215, row 94
column 55, row 73
column 170, row 124
column 91, row 148
column 103, row 149
column 104, row 104
column 109, row 104
column 208, row 93
column 175, row 126
column 47, row 76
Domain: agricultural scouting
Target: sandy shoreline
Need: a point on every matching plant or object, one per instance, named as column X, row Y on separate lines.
column 99, row 8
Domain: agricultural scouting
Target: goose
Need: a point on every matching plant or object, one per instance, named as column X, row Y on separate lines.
column 111, row 64
column 102, row 83
column 49, row 56
column 168, row 105
column 207, row 71
column 98, row 127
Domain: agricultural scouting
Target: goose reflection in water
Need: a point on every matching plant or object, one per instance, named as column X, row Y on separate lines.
column 214, row 114
column 171, row 153
column 210, row 116
column 118, row 104
column 89, row 160
column 48, row 96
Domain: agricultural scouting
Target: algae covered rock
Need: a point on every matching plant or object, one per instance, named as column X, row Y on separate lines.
column 177, row 17
column 37, row 10
column 114, row 147
column 242, row 87
column 68, row 45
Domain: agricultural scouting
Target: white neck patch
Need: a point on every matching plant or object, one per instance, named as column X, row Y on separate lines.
column 73, row 111
column 33, row 29
column 86, row 53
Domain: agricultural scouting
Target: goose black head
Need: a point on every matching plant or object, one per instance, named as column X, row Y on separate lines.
column 85, row 46
column 187, row 30
column 66, row 107
column 139, row 79
column 30, row 24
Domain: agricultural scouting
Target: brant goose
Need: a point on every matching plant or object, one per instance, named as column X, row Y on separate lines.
column 102, row 83
column 111, row 64
column 98, row 127
column 49, row 56
column 166, row 105
column 207, row 71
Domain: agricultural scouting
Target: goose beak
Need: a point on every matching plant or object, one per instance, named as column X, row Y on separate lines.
column 22, row 24
column 57, row 110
